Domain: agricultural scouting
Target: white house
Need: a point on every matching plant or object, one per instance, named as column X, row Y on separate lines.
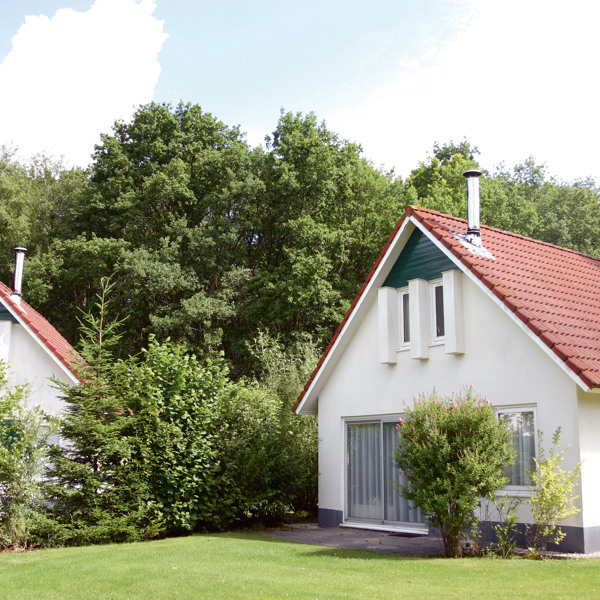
column 447, row 304
column 33, row 349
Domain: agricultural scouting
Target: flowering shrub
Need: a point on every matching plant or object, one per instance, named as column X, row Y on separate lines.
column 451, row 452
column 552, row 495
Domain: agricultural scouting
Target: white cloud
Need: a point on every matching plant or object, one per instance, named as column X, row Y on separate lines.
column 518, row 78
column 69, row 77
column 255, row 136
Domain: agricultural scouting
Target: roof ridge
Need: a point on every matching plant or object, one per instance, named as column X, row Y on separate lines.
column 423, row 209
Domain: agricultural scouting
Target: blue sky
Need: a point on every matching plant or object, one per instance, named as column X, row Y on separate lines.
column 516, row 78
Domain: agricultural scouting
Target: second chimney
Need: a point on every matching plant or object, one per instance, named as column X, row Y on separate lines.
column 473, row 207
column 18, row 280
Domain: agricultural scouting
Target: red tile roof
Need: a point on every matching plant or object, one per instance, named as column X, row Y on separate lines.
column 553, row 290
column 47, row 334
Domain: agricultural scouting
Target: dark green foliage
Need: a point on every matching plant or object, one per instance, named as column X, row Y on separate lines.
column 328, row 214
column 214, row 453
column 269, row 456
column 438, row 183
column 179, row 436
column 35, row 203
column 211, row 241
column 452, row 451
column 168, row 443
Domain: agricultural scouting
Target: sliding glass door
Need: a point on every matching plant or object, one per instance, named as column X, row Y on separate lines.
column 372, row 477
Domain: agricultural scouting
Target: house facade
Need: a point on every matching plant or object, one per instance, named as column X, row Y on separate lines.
column 33, row 350
column 449, row 304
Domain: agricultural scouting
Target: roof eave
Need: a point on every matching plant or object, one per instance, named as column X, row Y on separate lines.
column 43, row 345
column 307, row 403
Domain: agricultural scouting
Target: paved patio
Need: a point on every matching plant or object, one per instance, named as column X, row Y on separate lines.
column 359, row 539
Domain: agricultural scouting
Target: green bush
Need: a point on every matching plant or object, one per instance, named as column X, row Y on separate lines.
column 23, row 456
column 269, row 456
column 180, row 435
column 215, row 453
column 167, row 443
column 505, row 530
column 452, row 451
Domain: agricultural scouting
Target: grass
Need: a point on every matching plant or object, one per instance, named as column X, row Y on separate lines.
column 238, row 565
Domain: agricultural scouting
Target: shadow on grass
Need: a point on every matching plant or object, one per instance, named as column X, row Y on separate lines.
column 311, row 549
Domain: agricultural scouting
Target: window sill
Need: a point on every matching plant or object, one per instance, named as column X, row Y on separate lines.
column 515, row 492
column 417, row 528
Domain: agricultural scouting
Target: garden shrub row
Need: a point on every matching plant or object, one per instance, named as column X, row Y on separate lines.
column 165, row 443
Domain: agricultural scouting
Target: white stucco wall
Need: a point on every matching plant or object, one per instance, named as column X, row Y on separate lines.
column 30, row 362
column 589, row 436
column 501, row 361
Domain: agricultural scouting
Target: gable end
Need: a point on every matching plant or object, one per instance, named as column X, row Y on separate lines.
column 420, row 259
column 6, row 315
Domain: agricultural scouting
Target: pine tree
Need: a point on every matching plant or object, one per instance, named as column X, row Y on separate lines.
column 97, row 492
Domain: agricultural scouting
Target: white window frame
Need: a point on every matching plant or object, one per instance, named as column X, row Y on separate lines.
column 453, row 312
column 387, row 317
column 373, row 523
column 433, row 286
column 403, row 319
column 422, row 318
column 512, row 489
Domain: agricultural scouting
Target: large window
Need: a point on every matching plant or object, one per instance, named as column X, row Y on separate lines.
column 521, row 422
column 372, row 478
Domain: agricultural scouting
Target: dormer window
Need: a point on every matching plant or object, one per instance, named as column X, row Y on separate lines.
column 424, row 314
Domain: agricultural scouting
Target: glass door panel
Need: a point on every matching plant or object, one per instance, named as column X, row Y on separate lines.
column 364, row 471
column 397, row 508
column 373, row 479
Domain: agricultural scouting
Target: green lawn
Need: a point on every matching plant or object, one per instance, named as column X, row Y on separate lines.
column 245, row 566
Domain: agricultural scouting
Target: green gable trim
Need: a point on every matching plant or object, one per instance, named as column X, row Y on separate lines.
column 420, row 259
column 5, row 315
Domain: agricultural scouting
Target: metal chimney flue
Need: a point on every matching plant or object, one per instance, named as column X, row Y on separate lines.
column 473, row 207
column 18, row 280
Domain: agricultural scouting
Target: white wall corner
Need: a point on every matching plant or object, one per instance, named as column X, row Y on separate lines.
column 420, row 321
column 5, row 335
column 453, row 312
column 388, row 323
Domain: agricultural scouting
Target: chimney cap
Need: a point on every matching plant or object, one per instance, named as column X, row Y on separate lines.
column 17, row 290
column 472, row 173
